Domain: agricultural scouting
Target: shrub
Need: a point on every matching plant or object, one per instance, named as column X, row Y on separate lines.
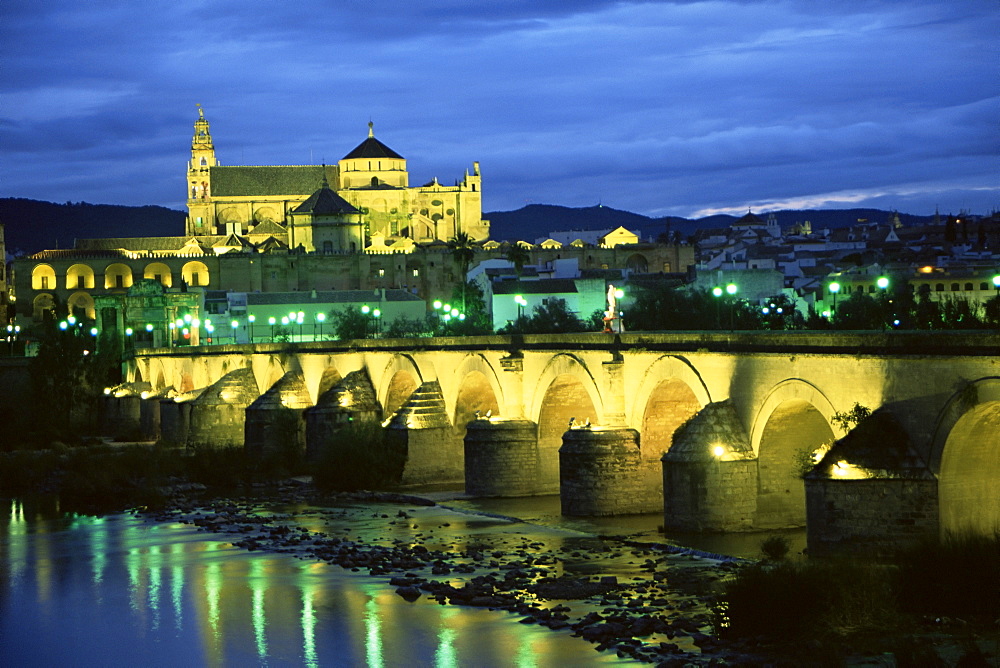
column 774, row 548
column 363, row 457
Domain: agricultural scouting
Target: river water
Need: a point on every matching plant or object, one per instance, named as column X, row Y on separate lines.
column 124, row 590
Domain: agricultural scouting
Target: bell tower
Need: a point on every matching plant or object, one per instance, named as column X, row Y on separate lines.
column 201, row 214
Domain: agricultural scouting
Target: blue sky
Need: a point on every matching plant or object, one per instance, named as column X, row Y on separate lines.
column 662, row 108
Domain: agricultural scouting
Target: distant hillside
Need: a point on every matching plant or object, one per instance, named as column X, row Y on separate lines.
column 31, row 226
column 538, row 220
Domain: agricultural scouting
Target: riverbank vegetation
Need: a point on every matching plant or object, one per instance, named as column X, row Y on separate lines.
column 821, row 606
column 96, row 476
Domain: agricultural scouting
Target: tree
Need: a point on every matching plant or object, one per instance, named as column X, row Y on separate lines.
column 859, row 311
column 553, row 317
column 463, row 251
column 477, row 318
column 518, row 256
column 668, row 307
column 351, row 323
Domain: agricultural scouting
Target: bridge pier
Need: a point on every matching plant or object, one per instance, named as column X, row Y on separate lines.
column 175, row 418
column 352, row 399
column 218, row 415
column 421, row 429
column 121, row 411
column 871, row 493
column 149, row 413
column 710, row 474
column 501, row 458
column 601, row 473
column 274, row 421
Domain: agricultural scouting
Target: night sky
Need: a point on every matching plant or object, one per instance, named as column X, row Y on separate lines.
column 661, row 108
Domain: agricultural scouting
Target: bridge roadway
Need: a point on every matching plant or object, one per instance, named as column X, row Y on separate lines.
column 755, row 407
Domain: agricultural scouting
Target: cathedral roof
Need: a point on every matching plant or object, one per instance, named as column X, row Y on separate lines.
column 268, row 180
column 325, row 202
column 372, row 148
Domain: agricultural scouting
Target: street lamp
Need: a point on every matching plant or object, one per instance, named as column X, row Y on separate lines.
column 731, row 291
column 883, row 285
column 321, row 318
column 251, row 319
column 365, row 310
column 271, row 322
column 377, row 313
column 234, row 324
column 834, row 288
column 300, row 318
column 521, row 302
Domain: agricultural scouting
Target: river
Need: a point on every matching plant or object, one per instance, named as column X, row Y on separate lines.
column 125, row 590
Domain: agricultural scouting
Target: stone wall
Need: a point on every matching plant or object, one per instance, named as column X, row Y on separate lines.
column 601, row 473
column 501, row 458
column 876, row 515
column 709, row 495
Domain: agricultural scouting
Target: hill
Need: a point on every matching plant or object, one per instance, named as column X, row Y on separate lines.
column 538, row 220
column 31, row 225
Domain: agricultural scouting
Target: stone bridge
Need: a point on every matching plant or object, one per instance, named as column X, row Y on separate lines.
column 720, row 431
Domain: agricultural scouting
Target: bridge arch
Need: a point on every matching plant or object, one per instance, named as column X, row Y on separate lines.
column 792, row 423
column 965, row 455
column 565, row 389
column 669, row 393
column 563, row 368
column 400, row 377
column 478, row 389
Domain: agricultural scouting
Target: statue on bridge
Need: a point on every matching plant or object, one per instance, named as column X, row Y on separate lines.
column 612, row 314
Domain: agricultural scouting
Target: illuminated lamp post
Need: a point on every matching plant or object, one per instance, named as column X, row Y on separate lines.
column 377, row 313
column 520, row 302
column 834, row 288
column 300, row 318
column 717, row 293
column 731, row 291
column 128, row 336
column 321, row 318
column 883, row 285
column 251, row 319
column 365, row 310
column 271, row 322
column 234, row 324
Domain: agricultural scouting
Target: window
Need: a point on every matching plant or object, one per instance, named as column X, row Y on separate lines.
column 604, row 265
column 954, row 287
column 984, row 286
column 968, row 286
column 939, row 287
column 327, row 246
column 45, row 282
column 416, row 272
column 871, row 289
column 666, row 267
column 381, row 273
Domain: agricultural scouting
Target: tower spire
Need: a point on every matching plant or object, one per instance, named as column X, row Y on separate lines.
column 371, row 129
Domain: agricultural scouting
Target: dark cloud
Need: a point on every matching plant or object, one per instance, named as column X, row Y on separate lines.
column 650, row 106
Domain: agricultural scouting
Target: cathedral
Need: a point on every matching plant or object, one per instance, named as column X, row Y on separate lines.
column 364, row 201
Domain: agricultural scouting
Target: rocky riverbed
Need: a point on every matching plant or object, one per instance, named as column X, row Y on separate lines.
column 644, row 601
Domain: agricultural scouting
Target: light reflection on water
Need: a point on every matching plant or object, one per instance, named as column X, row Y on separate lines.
column 117, row 590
